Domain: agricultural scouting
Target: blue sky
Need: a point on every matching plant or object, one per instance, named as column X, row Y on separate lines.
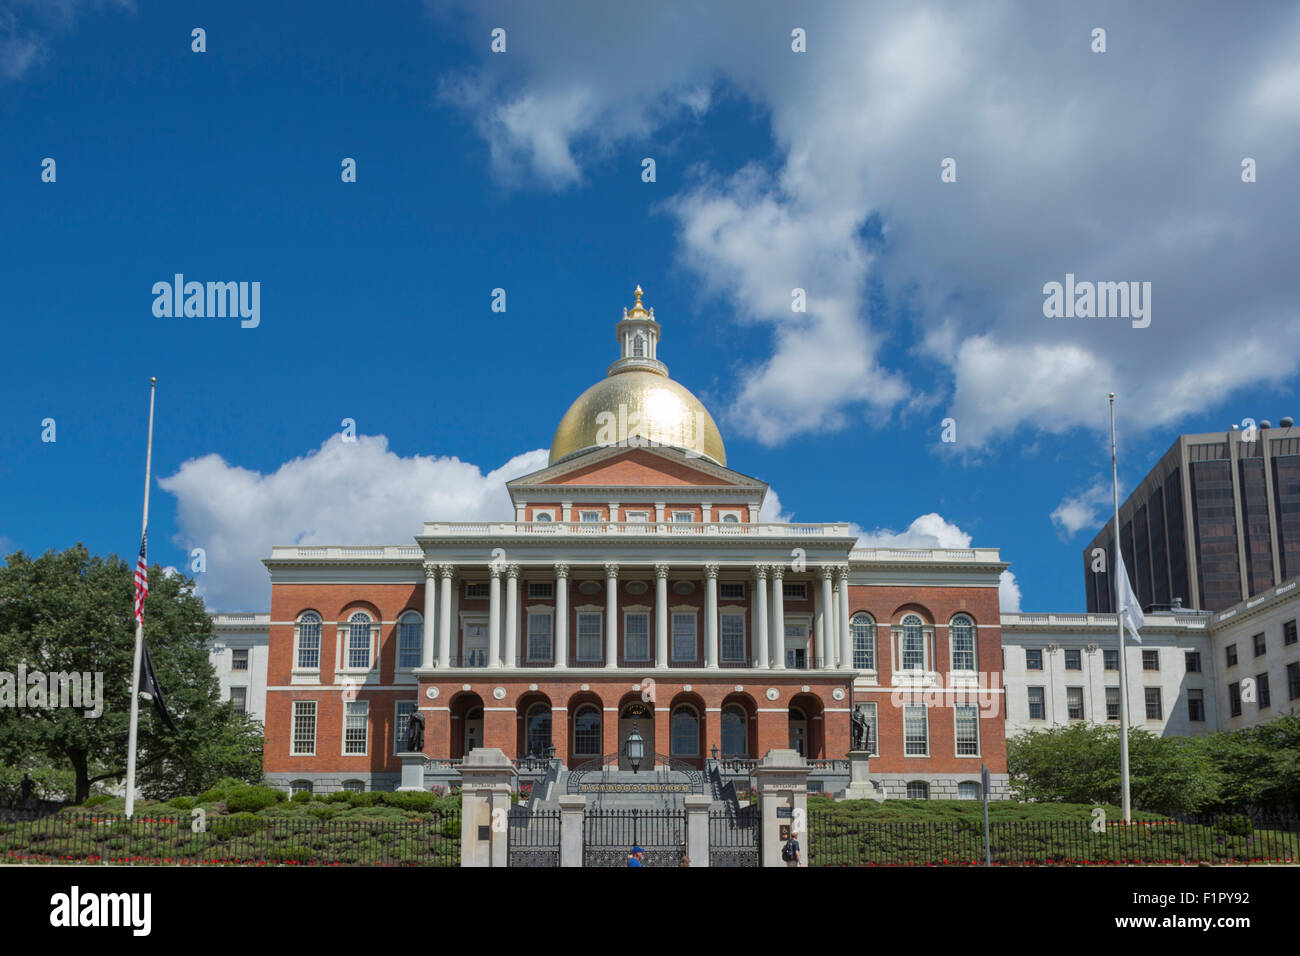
column 523, row 171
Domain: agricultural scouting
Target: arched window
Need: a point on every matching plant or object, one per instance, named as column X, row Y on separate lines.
column 918, row 790
column 542, row 516
column 359, row 641
column 913, row 643
column 962, row 634
column 586, row 731
column 410, row 639
column 300, row 786
column 735, row 731
column 864, row 642
column 731, row 518
column 537, row 728
column 309, row 640
column 685, row 729
column 638, row 345
column 354, row 786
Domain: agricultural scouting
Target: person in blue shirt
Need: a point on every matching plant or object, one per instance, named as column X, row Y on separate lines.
column 634, row 859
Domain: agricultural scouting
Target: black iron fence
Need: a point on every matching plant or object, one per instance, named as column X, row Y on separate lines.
column 734, row 837
column 836, row 841
column 533, row 837
column 232, row 840
column 610, row 835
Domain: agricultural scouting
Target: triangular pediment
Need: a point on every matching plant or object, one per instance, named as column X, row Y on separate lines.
column 637, row 468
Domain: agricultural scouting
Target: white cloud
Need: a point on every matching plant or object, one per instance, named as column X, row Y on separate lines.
column 26, row 27
column 1082, row 511
column 1061, row 168
column 341, row 493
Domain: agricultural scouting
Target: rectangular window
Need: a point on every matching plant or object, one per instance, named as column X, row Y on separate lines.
column 1033, row 658
column 1193, row 659
column 589, row 630
column 1074, row 703
column 356, row 723
column 1234, row 698
column 733, row 637
column 963, row 648
column 588, row 517
column 913, row 648
column 239, row 697
column 1260, row 644
column 541, row 590
column 869, row 711
column 1155, row 710
column 637, row 517
column 410, row 642
column 1151, row 660
column 731, row 590
column 1288, row 633
column 636, row 637
column 1230, row 655
column 796, row 591
column 1261, row 691
column 1112, row 703
column 1110, row 659
column 539, row 636
column 304, row 728
column 402, row 724
column 359, row 646
column 1293, row 681
column 968, row 730
column 239, row 659
column 1073, row 659
column 476, row 644
column 684, row 637
column 916, row 730
column 1037, row 708
column 1196, row 704
column 476, row 589
column 309, row 645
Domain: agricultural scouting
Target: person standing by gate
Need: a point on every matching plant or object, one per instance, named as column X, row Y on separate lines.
column 790, row 852
column 634, row 858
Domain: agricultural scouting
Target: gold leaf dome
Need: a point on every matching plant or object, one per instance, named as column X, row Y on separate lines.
column 637, row 403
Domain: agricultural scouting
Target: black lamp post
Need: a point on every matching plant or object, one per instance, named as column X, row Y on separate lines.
column 635, row 748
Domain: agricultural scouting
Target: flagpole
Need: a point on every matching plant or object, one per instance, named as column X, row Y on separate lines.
column 1126, row 802
column 139, row 628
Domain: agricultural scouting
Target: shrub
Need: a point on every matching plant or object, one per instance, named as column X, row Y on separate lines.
column 96, row 800
column 1235, row 826
column 235, row 825
column 251, row 798
column 182, row 803
column 418, row 802
column 301, row 796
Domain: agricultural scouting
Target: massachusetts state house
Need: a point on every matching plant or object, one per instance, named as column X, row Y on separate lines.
column 635, row 587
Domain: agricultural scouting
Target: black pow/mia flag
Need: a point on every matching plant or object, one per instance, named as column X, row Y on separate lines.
column 150, row 688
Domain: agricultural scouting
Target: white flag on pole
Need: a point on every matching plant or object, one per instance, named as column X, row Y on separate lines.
column 1126, row 602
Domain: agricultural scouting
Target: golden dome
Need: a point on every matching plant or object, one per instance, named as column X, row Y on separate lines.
column 637, row 407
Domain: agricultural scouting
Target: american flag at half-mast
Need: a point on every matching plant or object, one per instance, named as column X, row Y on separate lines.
column 141, row 578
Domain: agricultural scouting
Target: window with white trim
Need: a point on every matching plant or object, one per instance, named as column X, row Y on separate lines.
column 869, row 711
column 1155, row 708
column 588, row 517
column 864, row 641
column 303, row 736
column 359, row 641
column 1074, row 703
column 586, row 731
column 916, row 730
column 410, row 640
column 912, row 644
column 539, row 635
column 636, row 517
column 967, row 721
column 683, row 517
column 730, row 517
column 918, row 790
column 543, row 516
column 239, row 659
column 308, row 637
column 239, row 697
column 356, row 726
column 1037, row 704
column 732, row 636
column 402, row 712
column 962, row 634
column 354, row 786
column 589, row 631
column 684, row 642
column 636, row 636
column 968, row 790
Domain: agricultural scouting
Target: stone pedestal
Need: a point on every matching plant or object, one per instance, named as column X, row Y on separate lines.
column 697, row 828
column 860, row 785
column 781, row 779
column 486, row 776
column 573, row 808
column 412, row 771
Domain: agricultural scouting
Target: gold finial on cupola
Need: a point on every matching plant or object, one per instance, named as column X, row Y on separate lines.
column 638, row 308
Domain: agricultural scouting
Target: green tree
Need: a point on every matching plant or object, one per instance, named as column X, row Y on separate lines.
column 71, row 611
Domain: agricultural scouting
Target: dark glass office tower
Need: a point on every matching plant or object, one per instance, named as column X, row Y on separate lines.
column 1214, row 522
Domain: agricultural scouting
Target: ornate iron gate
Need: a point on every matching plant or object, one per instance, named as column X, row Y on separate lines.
column 734, row 837
column 532, row 837
column 610, row 835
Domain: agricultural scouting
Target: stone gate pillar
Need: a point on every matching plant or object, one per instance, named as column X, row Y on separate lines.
column 573, row 809
column 781, row 779
column 486, row 774
column 697, row 828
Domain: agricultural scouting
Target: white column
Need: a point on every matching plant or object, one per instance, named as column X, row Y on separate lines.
column 611, row 615
column 661, row 615
column 778, row 617
column 711, row 616
column 494, row 616
column 430, row 614
column 842, row 619
column 829, row 632
column 761, row 655
column 561, row 615
column 444, row 615
column 512, row 615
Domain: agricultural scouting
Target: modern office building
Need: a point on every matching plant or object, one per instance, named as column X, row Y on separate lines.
column 1216, row 521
